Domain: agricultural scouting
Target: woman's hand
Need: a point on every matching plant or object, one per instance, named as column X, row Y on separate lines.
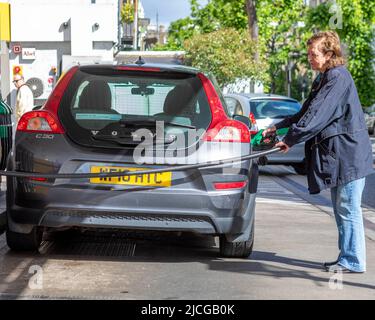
column 268, row 131
column 284, row 147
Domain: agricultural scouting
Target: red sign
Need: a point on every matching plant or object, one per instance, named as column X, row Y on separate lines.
column 17, row 49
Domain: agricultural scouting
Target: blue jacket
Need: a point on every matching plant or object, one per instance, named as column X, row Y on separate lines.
column 331, row 121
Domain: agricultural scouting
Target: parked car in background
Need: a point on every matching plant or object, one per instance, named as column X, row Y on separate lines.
column 91, row 123
column 266, row 110
column 370, row 122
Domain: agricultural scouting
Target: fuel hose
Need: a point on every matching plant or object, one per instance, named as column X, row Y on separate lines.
column 24, row 174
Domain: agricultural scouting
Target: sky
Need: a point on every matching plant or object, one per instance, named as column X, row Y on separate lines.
column 169, row 10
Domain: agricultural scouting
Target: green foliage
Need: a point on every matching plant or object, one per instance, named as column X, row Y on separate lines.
column 278, row 35
column 217, row 14
column 227, row 53
column 282, row 39
column 357, row 35
column 179, row 31
column 127, row 12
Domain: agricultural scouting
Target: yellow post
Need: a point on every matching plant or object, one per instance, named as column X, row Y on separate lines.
column 4, row 21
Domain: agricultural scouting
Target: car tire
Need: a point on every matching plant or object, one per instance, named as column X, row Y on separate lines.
column 372, row 130
column 241, row 249
column 300, row 168
column 24, row 241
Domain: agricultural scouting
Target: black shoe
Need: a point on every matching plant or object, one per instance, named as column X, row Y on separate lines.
column 337, row 268
column 328, row 264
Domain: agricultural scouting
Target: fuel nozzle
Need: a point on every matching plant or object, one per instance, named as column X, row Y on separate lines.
column 270, row 139
column 268, row 142
column 264, row 143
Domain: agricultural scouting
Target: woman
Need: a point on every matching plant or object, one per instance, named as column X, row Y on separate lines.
column 338, row 148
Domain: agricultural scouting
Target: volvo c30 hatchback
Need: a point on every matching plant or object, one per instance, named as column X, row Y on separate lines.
column 105, row 118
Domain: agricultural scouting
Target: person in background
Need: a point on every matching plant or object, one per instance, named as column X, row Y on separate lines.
column 24, row 99
column 338, row 148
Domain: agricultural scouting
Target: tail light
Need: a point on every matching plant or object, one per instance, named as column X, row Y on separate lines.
column 46, row 120
column 39, row 121
column 222, row 128
column 252, row 118
column 254, row 126
column 229, row 185
column 37, row 179
column 228, row 131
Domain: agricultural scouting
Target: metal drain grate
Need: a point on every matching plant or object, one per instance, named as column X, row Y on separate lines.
column 102, row 247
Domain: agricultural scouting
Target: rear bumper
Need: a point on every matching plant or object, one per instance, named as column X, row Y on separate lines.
column 200, row 212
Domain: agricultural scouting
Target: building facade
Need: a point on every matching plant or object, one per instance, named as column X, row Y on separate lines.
column 47, row 36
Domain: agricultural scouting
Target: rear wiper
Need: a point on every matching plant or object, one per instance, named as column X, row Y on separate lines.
column 140, row 122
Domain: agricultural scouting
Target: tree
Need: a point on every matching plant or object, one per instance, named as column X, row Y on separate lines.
column 179, row 31
column 217, row 14
column 252, row 19
column 282, row 36
column 357, row 35
column 282, row 39
column 227, row 53
column 272, row 23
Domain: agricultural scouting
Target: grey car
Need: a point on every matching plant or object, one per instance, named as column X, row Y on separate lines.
column 105, row 118
column 265, row 110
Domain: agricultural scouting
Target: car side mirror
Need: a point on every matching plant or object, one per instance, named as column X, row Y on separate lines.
column 242, row 119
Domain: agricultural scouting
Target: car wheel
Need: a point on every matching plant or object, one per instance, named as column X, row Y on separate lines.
column 241, row 249
column 372, row 130
column 24, row 241
column 300, row 168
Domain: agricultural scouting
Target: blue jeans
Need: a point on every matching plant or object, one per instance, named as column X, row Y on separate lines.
column 346, row 200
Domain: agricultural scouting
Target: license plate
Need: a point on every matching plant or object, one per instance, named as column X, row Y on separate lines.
column 162, row 179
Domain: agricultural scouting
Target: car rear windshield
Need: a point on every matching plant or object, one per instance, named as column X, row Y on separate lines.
column 274, row 108
column 98, row 98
